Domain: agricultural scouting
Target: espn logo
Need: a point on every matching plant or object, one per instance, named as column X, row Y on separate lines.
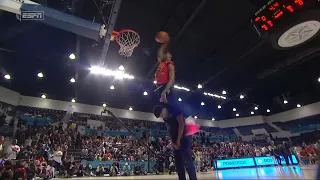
column 32, row 15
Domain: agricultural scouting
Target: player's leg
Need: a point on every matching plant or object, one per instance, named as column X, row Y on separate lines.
column 179, row 163
column 318, row 173
column 186, row 153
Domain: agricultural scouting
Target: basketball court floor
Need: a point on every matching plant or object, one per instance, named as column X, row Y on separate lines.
column 291, row 172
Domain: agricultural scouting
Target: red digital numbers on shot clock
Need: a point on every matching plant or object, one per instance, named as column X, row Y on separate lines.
column 269, row 15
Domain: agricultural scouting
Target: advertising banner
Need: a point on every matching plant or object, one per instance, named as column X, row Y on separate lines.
column 232, row 163
column 252, row 162
column 265, row 161
column 294, row 159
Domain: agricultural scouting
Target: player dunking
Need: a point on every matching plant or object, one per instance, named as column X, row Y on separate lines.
column 165, row 73
column 172, row 116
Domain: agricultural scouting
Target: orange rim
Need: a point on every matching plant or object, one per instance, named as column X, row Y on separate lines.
column 116, row 33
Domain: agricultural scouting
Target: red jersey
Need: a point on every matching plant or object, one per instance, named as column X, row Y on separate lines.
column 162, row 73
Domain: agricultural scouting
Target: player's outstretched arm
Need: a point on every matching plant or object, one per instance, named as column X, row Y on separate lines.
column 162, row 50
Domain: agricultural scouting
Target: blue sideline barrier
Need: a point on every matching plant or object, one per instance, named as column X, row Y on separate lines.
column 132, row 164
column 251, row 162
column 40, row 121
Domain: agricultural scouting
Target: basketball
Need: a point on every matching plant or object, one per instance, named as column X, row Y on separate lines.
column 162, row 37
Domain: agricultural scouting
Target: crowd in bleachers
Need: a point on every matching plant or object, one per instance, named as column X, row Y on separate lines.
column 57, row 148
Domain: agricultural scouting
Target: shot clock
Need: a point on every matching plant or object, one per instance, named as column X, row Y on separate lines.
column 277, row 16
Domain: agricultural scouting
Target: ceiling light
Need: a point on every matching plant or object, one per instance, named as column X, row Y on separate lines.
column 319, row 79
column 43, row 96
column 237, row 115
column 73, row 100
column 202, row 104
column 241, row 96
column 72, row 80
column 214, row 95
column 298, row 105
column 154, row 82
column 108, row 72
column 181, row 88
column 40, row 75
column 179, row 99
column 7, row 76
column 285, row 102
column 145, row 93
column 224, row 92
column 130, row 109
column 112, row 87
column 196, row 117
column 72, row 56
column 234, row 109
column 219, row 107
column 256, row 108
column 104, row 105
column 199, row 86
column 121, row 68
column 213, row 119
column 268, row 110
column 252, row 112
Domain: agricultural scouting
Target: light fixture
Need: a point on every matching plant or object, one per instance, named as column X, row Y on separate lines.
column 252, row 112
column 234, row 109
column 40, row 75
column 112, row 87
column 181, row 88
column 104, row 105
column 179, row 99
column 202, row 104
column 219, row 107
column 285, row 102
column 72, row 56
column 298, row 105
column 237, row 115
column 111, row 73
column 199, row 86
column 224, row 92
column 121, row 68
column 241, row 96
column 196, row 117
column 145, row 93
column 213, row 119
column 319, row 79
column 73, row 100
column 256, row 108
column 214, row 95
column 268, row 110
column 72, row 80
column 130, row 109
column 154, row 82
column 43, row 96
column 7, row 76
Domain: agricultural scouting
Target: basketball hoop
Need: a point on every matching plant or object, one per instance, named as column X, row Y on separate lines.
column 127, row 40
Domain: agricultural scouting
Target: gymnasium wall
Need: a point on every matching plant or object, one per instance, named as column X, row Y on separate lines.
column 14, row 98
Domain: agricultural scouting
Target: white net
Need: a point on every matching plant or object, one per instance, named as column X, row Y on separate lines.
column 127, row 40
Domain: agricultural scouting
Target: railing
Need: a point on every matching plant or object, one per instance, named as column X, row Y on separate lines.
column 138, row 132
column 132, row 164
